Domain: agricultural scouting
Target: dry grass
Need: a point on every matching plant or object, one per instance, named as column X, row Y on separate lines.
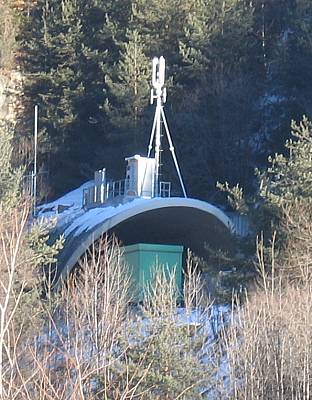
column 85, row 342
column 12, row 226
column 268, row 344
column 297, row 256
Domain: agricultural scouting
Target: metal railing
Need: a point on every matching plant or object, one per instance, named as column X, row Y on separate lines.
column 104, row 193
column 117, row 188
column 165, row 189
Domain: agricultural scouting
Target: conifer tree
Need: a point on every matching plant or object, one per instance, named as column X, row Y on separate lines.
column 295, row 51
column 161, row 24
column 216, row 41
column 284, row 188
column 129, row 87
column 218, row 76
column 289, row 178
column 67, row 80
column 87, row 65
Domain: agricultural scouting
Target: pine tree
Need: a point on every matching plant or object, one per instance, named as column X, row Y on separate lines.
column 87, row 66
column 129, row 87
column 295, row 52
column 217, row 75
column 161, row 23
column 216, row 41
column 284, row 190
column 64, row 62
column 289, row 177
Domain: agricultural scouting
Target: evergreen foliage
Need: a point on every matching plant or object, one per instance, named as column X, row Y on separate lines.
column 10, row 177
column 162, row 361
column 237, row 72
column 217, row 51
column 68, row 83
column 162, row 24
column 129, row 88
column 289, row 177
column 158, row 355
column 284, row 189
column 296, row 53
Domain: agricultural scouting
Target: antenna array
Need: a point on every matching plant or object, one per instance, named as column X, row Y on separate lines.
column 159, row 93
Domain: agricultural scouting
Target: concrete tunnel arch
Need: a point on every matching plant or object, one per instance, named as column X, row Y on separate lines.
column 184, row 221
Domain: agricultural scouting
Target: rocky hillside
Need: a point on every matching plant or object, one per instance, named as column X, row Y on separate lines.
column 11, row 81
column 11, row 90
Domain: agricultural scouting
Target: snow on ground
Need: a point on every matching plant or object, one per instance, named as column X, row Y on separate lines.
column 210, row 322
column 68, row 211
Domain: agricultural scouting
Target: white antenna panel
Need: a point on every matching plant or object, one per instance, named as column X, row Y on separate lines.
column 158, row 78
column 154, row 77
column 161, row 71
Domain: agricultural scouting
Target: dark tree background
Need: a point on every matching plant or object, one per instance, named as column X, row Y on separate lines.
column 237, row 72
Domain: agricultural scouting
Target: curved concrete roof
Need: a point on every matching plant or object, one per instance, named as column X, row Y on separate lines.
column 190, row 222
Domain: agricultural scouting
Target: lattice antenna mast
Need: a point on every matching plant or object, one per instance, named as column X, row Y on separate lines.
column 159, row 93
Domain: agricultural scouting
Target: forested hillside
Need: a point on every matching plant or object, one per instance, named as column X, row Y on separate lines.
column 238, row 71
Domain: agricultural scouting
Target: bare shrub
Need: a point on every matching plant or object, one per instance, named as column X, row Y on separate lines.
column 87, row 341
column 296, row 260
column 193, row 293
column 164, row 354
column 73, row 355
column 99, row 347
column 14, row 277
column 269, row 342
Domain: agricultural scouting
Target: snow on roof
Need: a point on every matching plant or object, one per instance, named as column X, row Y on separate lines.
column 73, row 219
column 90, row 218
column 120, row 212
column 73, row 215
column 71, row 202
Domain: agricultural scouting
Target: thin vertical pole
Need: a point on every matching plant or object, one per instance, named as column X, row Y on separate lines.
column 35, row 158
column 263, row 34
column 157, row 146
